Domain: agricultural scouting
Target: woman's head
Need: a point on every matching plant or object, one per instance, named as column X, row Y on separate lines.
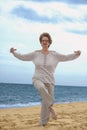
column 45, row 39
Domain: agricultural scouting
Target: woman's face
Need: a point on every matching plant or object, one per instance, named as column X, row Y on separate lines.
column 45, row 42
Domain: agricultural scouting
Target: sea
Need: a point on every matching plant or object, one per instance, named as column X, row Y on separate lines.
column 25, row 95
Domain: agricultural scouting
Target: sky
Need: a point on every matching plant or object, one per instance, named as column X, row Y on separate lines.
column 22, row 22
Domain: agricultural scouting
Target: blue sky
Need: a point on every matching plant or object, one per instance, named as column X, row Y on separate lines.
column 21, row 23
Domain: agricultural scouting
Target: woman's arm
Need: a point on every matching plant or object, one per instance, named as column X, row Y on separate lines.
column 68, row 57
column 25, row 57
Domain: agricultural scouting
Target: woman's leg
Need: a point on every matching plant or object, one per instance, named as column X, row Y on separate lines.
column 45, row 114
column 54, row 115
column 47, row 100
column 50, row 88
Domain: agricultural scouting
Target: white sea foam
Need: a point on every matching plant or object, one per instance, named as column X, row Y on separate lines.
column 19, row 105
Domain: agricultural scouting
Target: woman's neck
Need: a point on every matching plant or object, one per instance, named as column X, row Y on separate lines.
column 45, row 50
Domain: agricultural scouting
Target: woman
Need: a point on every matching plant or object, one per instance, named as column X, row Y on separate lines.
column 45, row 62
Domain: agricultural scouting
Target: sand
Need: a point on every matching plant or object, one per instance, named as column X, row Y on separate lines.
column 71, row 116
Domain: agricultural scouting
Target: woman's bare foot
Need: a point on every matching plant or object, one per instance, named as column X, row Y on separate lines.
column 54, row 116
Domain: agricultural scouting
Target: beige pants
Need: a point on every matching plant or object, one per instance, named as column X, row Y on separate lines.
column 47, row 94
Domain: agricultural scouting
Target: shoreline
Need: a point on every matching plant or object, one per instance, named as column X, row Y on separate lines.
column 71, row 116
column 35, row 105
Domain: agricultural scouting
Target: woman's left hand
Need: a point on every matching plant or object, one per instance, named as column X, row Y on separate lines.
column 77, row 52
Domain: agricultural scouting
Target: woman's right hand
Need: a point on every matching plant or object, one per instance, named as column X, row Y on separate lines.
column 12, row 50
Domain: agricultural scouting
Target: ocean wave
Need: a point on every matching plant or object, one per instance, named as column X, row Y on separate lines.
column 19, row 105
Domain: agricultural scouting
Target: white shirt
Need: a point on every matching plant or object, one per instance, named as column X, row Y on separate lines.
column 45, row 64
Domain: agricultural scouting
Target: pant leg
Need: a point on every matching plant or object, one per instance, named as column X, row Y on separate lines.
column 46, row 91
column 50, row 88
column 45, row 112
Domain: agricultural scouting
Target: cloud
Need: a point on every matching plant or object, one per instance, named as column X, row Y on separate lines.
column 82, row 32
column 43, row 0
column 74, row 18
column 70, row 15
column 54, row 15
column 77, row 27
column 74, row 1
column 65, row 1
column 0, row 11
column 32, row 15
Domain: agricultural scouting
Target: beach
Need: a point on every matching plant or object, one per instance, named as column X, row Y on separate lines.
column 71, row 116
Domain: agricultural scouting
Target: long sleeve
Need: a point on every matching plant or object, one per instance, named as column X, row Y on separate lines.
column 61, row 57
column 25, row 57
